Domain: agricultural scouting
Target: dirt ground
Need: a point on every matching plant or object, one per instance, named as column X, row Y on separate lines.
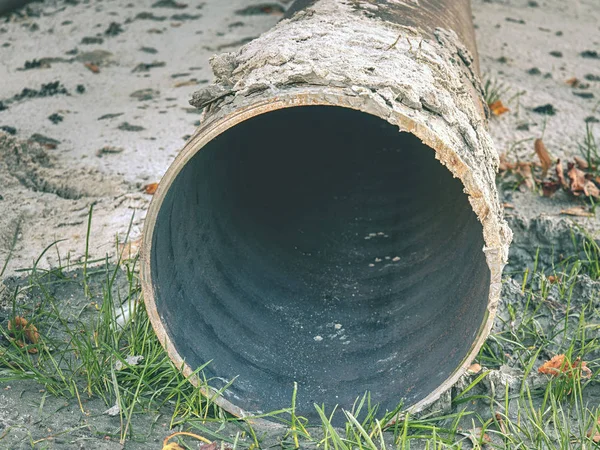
column 103, row 87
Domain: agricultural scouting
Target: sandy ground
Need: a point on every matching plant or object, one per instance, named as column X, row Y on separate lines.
column 149, row 61
column 118, row 112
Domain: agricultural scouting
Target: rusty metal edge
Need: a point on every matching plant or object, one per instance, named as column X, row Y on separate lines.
column 446, row 155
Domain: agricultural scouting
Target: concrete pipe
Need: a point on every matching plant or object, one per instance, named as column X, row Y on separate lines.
column 334, row 220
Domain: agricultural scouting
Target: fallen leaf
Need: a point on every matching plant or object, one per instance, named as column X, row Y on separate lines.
column 581, row 163
column 500, row 421
column 553, row 279
column 591, row 190
column 577, row 178
column 550, row 187
column 498, row 108
column 150, row 188
column 524, row 169
column 560, row 174
column 595, row 432
column 508, row 205
column 474, row 368
column 573, row 82
column 579, row 183
column 577, row 211
column 542, row 153
column 559, row 364
column 555, row 366
column 92, row 67
column 130, row 249
column 30, row 332
column 505, row 165
column 586, row 372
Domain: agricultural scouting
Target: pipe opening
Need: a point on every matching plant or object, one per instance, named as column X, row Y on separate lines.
column 319, row 244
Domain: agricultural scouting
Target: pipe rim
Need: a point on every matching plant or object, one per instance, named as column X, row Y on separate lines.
column 443, row 153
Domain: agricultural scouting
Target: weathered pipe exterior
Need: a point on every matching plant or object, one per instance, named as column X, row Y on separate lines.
column 334, row 220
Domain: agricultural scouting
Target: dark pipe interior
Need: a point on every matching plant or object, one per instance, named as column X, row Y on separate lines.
column 319, row 245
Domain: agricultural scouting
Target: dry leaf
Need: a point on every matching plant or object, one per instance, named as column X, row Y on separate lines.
column 553, row 279
column 130, row 249
column 594, row 431
column 577, row 178
column 579, row 183
column 542, row 153
column 93, row 67
column 504, row 164
column 573, row 82
column 559, row 364
column 30, row 332
column 508, row 205
column 524, row 169
column 474, row 368
column 500, row 421
column 586, row 372
column 560, row 174
column 150, row 188
column 581, row 163
column 590, row 189
column 498, row 108
column 555, row 366
column 550, row 187
column 130, row 360
column 20, row 324
column 577, row 211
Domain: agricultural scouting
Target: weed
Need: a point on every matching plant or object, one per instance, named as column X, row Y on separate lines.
column 493, row 90
column 86, row 349
column 589, row 149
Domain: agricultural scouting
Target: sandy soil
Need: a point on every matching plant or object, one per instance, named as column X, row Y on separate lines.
column 118, row 111
column 115, row 130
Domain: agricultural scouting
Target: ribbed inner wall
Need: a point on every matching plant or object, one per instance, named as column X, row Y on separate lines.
column 323, row 246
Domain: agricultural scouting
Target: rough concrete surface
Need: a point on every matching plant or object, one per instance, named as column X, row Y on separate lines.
column 119, row 114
